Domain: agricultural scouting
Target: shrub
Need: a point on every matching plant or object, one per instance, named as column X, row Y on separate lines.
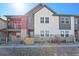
column 63, row 41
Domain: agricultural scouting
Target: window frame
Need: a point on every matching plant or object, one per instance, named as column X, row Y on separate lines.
column 65, row 19
column 46, row 19
column 66, row 33
column 47, row 33
column 41, row 19
column 62, row 34
column 42, row 33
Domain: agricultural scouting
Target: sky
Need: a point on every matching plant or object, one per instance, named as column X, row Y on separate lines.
column 21, row 9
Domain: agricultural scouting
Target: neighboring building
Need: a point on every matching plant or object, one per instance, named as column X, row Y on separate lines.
column 17, row 28
column 3, row 31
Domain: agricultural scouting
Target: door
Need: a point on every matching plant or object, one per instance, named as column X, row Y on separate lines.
column 77, row 35
column 31, row 34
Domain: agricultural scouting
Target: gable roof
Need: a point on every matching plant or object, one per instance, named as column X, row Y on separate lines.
column 3, row 19
column 50, row 9
column 37, row 8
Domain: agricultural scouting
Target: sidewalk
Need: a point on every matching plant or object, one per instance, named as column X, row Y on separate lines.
column 39, row 45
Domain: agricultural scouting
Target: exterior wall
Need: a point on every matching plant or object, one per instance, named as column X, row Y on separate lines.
column 2, row 35
column 71, row 31
column 53, row 25
column 30, row 22
column 23, row 34
column 72, row 26
column 23, row 24
column 65, row 26
column 3, row 24
column 76, row 23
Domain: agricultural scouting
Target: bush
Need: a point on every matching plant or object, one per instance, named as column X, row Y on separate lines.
column 63, row 41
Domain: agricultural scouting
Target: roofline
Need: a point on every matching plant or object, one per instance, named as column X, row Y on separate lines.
column 43, row 7
column 13, row 15
column 33, row 8
column 3, row 19
column 65, row 15
column 50, row 9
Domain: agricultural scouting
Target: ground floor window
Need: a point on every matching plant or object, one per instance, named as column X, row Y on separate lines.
column 64, row 33
column 44, row 33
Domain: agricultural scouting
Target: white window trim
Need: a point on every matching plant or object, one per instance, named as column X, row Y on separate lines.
column 64, row 33
column 64, row 19
column 44, row 19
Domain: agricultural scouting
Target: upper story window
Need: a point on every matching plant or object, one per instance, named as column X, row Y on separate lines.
column 42, row 20
column 65, row 19
column 76, row 20
column 46, row 19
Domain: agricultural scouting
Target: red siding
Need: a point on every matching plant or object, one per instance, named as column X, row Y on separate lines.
column 23, row 22
column 20, row 20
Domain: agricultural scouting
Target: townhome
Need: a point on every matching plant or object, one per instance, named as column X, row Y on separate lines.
column 47, row 23
column 42, row 22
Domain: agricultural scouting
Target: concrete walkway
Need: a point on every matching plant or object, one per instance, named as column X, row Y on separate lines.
column 38, row 46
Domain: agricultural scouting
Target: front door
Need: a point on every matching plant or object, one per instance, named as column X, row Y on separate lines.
column 31, row 33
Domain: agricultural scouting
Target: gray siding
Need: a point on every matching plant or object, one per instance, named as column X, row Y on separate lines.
column 65, row 26
column 30, row 22
column 76, row 23
column 76, row 26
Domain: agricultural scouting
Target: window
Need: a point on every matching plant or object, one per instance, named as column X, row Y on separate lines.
column 18, row 35
column 42, row 20
column 42, row 33
column 76, row 20
column 62, row 20
column 47, row 33
column 62, row 33
column 66, row 33
column 46, row 19
column 65, row 20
